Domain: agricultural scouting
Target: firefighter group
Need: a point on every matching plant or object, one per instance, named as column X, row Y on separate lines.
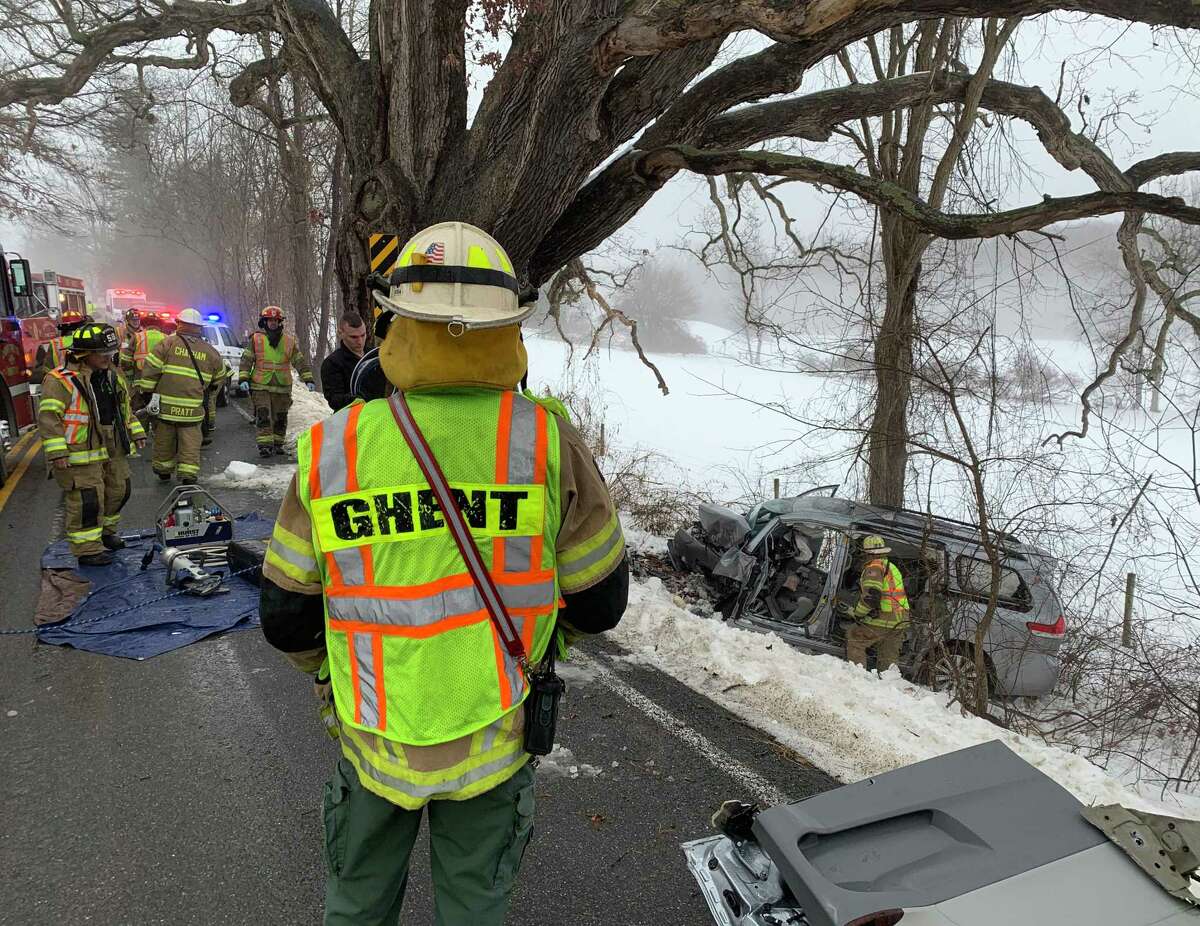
column 446, row 535
column 101, row 394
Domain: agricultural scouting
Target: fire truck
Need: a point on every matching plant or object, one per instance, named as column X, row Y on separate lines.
column 59, row 296
column 25, row 325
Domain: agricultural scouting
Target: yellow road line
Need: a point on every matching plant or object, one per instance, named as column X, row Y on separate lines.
column 30, row 444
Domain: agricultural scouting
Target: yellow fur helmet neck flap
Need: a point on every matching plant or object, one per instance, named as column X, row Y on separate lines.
column 452, row 312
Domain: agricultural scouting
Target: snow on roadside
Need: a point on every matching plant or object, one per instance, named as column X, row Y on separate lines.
column 307, row 409
column 272, row 480
column 847, row 721
column 639, row 541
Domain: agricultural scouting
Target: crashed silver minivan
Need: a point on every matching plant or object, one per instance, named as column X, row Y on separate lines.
column 978, row 837
column 791, row 567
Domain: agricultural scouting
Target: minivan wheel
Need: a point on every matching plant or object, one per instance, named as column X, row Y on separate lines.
column 952, row 669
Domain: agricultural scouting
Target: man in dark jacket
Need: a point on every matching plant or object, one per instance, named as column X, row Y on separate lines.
column 337, row 367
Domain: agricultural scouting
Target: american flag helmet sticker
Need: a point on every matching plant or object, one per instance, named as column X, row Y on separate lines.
column 436, row 252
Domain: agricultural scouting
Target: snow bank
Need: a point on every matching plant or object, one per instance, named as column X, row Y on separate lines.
column 639, row 541
column 307, row 409
column 846, row 720
column 273, row 480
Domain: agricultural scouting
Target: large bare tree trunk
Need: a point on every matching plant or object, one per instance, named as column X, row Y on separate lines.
column 887, row 450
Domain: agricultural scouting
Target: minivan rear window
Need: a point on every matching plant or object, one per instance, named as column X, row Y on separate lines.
column 975, row 579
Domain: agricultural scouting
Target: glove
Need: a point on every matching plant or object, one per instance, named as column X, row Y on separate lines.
column 312, row 387
column 243, row 388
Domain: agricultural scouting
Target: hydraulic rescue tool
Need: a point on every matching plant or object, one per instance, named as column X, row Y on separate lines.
column 193, row 532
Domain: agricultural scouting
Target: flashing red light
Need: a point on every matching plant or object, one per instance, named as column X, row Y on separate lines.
column 128, row 292
column 1057, row 629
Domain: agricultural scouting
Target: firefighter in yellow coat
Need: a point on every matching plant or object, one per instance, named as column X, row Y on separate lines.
column 364, row 587
column 882, row 613
column 88, row 429
column 139, row 341
column 266, row 374
column 181, row 369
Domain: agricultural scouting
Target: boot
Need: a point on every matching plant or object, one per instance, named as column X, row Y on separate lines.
column 95, row 559
column 112, row 542
column 264, row 452
column 165, row 477
column 206, row 440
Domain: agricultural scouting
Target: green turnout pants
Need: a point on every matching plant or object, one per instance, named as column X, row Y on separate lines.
column 476, row 847
column 83, row 503
column 176, row 448
column 270, row 416
column 885, row 641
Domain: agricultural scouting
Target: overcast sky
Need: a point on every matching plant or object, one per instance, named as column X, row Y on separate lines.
column 1109, row 60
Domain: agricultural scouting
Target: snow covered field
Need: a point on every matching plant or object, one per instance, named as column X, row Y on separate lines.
column 720, row 432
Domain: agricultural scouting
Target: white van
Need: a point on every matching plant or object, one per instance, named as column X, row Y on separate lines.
column 221, row 337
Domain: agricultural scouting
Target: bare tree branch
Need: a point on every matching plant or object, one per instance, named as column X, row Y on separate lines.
column 891, row 197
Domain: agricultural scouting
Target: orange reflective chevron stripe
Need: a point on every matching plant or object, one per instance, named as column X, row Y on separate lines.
column 354, row 686
column 449, row 583
column 75, row 416
column 314, row 466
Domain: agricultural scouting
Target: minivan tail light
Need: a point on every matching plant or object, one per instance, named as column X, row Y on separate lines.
column 1057, row 629
column 882, row 918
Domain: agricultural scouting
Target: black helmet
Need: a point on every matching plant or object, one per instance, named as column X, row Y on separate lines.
column 95, row 339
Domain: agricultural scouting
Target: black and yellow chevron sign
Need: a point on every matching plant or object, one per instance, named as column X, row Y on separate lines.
column 385, row 249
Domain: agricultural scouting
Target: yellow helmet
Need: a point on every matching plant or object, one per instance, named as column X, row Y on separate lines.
column 455, row 273
column 873, row 543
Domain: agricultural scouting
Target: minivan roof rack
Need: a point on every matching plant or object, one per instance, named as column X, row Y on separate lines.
column 1003, row 536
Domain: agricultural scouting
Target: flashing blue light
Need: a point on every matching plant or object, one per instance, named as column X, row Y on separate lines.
column 213, row 317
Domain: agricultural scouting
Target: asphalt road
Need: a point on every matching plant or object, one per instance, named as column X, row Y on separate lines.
column 186, row 788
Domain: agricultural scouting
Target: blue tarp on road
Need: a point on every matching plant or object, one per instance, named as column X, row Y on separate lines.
column 126, row 613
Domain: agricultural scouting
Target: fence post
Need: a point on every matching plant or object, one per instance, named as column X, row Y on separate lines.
column 1127, row 624
column 777, row 487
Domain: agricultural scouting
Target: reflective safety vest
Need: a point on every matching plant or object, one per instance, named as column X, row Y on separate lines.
column 414, row 657
column 76, row 421
column 138, row 347
column 893, row 603
column 272, row 368
column 57, row 350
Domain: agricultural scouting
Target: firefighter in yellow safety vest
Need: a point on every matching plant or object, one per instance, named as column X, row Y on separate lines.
column 88, row 429
column 365, row 588
column 139, row 341
column 882, row 613
column 266, row 374
column 182, row 369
